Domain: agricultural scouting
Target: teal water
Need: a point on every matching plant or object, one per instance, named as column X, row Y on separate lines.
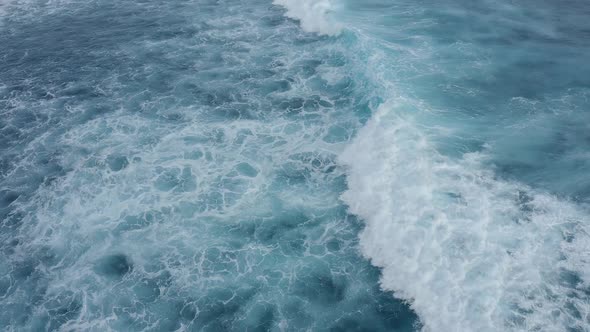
column 201, row 165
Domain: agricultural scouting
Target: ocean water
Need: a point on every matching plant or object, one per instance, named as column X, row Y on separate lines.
column 327, row 165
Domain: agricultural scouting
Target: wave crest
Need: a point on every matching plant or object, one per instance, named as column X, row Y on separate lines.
column 470, row 252
column 313, row 15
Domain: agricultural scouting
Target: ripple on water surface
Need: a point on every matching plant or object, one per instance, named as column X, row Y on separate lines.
column 172, row 166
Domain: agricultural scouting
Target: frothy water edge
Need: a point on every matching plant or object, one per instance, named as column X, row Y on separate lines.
column 155, row 201
column 313, row 15
column 469, row 250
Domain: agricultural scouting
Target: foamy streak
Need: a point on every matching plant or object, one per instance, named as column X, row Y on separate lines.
column 470, row 253
column 312, row 15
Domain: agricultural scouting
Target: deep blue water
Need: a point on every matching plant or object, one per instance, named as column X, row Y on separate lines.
column 327, row 165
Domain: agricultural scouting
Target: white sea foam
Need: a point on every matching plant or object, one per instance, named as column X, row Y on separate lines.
column 314, row 15
column 470, row 252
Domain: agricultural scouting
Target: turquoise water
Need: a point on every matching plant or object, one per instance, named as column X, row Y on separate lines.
column 201, row 165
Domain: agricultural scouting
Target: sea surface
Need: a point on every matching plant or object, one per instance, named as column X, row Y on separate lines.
column 296, row 165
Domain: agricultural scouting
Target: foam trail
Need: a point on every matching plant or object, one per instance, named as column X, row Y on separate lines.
column 468, row 251
column 196, row 189
column 313, row 15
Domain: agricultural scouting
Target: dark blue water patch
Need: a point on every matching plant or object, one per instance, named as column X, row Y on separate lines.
column 271, row 230
column 24, row 269
column 570, row 279
column 293, row 174
column 117, row 163
column 116, row 265
column 58, row 311
column 273, row 20
column 303, row 167
column 261, row 318
column 63, row 52
column 339, row 133
column 292, row 106
column 321, row 287
column 309, row 67
column 7, row 197
column 247, row 170
column 560, row 148
column 12, row 219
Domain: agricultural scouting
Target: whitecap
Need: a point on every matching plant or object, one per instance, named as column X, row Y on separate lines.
column 469, row 251
column 313, row 15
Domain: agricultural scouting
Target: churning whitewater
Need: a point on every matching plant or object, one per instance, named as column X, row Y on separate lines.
column 327, row 165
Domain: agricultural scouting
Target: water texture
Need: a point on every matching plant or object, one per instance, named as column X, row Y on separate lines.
column 328, row 165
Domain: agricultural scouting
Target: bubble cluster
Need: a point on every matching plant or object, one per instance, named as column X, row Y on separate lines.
column 173, row 167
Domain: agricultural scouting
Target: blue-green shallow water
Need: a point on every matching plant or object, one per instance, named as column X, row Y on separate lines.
column 218, row 166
